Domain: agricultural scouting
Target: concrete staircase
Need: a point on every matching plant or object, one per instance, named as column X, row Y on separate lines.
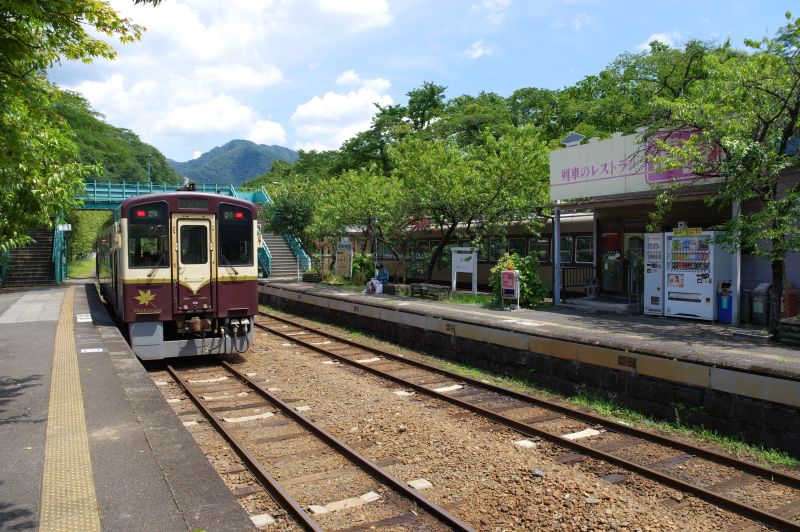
column 33, row 265
column 284, row 261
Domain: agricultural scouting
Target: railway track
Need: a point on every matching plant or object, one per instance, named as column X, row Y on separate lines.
column 605, row 447
column 261, row 428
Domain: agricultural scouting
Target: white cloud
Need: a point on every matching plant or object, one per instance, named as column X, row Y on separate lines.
column 495, row 9
column 477, row 49
column 580, row 20
column 267, row 132
column 359, row 14
column 238, row 76
column 351, row 77
column 196, row 154
column 222, row 113
column 670, row 39
column 325, row 122
column 576, row 23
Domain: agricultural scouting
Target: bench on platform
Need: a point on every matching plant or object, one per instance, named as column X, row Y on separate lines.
column 428, row 290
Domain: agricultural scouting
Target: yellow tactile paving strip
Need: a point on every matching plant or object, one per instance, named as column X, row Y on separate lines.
column 68, row 498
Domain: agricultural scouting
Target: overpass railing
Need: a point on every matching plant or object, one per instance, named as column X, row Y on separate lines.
column 104, row 193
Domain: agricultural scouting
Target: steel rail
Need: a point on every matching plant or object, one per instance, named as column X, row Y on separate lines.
column 354, row 456
column 761, row 471
column 529, row 430
column 266, row 480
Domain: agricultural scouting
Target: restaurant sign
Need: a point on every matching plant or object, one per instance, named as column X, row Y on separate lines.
column 610, row 167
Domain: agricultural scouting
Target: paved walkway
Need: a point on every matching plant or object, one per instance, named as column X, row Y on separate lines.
column 88, row 442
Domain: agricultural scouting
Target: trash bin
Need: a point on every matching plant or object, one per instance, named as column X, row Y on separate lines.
column 724, row 302
column 789, row 301
column 760, row 299
column 745, row 309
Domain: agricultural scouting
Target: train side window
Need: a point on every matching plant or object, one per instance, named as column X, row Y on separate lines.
column 498, row 247
column 194, row 240
column 584, row 248
column 235, row 236
column 566, row 249
column 517, row 245
column 540, row 248
column 148, row 236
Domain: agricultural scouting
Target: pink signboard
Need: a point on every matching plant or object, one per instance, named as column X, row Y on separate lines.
column 508, row 283
column 676, row 138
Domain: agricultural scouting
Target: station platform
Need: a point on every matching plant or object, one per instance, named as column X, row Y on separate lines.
column 89, row 443
column 690, row 371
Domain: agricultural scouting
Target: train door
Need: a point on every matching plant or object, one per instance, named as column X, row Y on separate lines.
column 194, row 273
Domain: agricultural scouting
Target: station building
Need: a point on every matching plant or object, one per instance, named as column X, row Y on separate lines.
column 611, row 179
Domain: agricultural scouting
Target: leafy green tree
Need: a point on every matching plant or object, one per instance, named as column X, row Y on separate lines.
column 40, row 175
column 310, row 166
column 86, row 226
column 379, row 205
column 425, row 104
column 468, row 118
column 292, row 211
column 370, row 147
column 474, row 190
column 748, row 106
column 40, row 168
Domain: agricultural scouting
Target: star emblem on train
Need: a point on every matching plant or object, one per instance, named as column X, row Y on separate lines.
column 145, row 297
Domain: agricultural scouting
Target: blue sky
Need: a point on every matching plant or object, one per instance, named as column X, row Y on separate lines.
column 305, row 73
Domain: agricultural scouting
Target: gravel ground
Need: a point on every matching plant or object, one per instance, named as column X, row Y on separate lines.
column 492, row 483
column 223, row 458
column 288, row 455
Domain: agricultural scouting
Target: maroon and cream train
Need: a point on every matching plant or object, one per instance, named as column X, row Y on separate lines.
column 180, row 270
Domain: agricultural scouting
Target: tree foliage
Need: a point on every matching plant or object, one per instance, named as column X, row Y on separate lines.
column 748, row 106
column 470, row 192
column 86, row 226
column 40, row 166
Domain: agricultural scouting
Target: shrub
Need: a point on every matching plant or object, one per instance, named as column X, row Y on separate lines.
column 532, row 289
column 363, row 269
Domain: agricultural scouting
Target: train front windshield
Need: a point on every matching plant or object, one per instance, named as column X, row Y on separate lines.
column 148, row 236
column 235, row 236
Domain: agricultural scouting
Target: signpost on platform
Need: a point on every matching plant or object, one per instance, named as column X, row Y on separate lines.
column 509, row 287
column 465, row 260
column 344, row 258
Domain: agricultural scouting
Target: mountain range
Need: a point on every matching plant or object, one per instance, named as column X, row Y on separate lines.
column 235, row 162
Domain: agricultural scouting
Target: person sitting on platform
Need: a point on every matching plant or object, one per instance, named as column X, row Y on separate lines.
column 375, row 285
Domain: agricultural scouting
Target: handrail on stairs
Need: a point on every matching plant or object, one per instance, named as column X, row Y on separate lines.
column 297, row 247
column 59, row 251
column 264, row 255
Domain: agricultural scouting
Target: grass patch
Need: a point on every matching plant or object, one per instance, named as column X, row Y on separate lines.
column 483, row 300
column 610, row 409
column 81, row 268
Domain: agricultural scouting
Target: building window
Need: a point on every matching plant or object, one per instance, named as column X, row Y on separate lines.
column 498, row 247
column 566, row 249
column 540, row 248
column 517, row 245
column 584, row 248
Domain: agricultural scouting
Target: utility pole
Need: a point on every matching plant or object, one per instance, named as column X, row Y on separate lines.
column 148, row 170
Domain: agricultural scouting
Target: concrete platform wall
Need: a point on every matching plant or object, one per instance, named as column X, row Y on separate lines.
column 665, row 389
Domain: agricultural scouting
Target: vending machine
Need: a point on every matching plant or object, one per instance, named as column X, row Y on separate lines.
column 654, row 274
column 694, row 266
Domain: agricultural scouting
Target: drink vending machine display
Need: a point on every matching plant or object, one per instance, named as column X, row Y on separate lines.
column 654, row 274
column 693, row 268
